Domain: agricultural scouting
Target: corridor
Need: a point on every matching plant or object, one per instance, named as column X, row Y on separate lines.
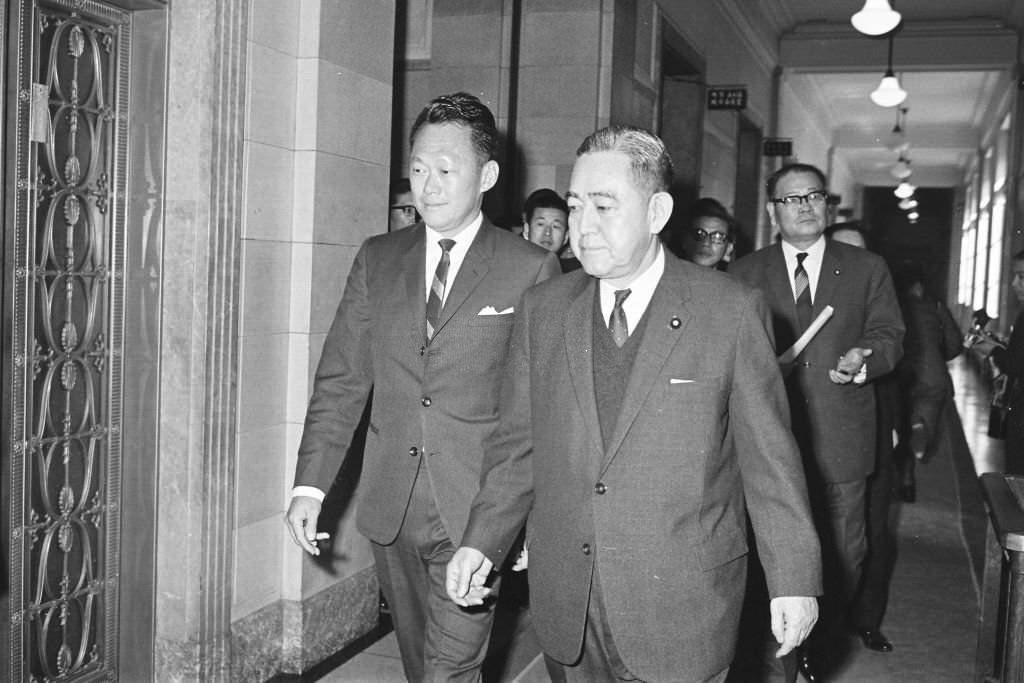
column 933, row 607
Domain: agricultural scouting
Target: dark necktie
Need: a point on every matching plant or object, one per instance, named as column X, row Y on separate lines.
column 436, row 298
column 802, row 287
column 617, row 322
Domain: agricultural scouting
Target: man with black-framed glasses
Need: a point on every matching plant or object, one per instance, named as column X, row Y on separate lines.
column 710, row 240
column 401, row 207
column 832, row 406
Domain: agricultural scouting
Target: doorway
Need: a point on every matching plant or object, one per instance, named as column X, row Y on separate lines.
column 681, row 125
column 747, row 196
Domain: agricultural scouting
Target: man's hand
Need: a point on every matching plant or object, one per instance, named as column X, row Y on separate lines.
column 467, row 571
column 301, row 522
column 792, row 621
column 849, row 365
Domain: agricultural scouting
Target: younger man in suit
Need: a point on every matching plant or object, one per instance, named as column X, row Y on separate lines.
column 642, row 416
column 424, row 322
column 545, row 223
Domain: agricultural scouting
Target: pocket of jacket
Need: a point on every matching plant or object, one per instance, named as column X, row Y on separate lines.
column 722, row 548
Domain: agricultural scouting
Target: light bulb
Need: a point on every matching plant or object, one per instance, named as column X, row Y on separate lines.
column 889, row 93
column 876, row 18
column 904, row 190
column 908, row 204
column 913, row 216
column 901, row 170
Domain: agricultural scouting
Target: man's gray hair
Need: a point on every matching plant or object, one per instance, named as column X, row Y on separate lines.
column 648, row 158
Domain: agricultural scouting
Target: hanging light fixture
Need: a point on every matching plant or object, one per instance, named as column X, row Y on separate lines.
column 913, row 216
column 904, row 190
column 908, row 204
column 896, row 141
column 902, row 168
column 889, row 93
column 876, row 18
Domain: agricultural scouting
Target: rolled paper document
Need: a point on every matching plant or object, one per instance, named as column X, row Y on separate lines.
column 790, row 354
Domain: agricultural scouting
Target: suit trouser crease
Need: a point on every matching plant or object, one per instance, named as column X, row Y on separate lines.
column 438, row 640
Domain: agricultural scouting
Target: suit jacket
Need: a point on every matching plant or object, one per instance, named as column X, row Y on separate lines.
column 658, row 513
column 835, row 424
column 436, row 400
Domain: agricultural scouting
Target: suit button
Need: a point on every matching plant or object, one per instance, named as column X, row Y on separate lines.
column 423, row 349
column 586, row 548
column 414, row 451
column 600, row 488
column 425, row 401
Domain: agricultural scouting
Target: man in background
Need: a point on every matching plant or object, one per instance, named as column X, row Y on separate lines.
column 424, row 322
column 829, row 382
column 401, row 207
column 545, row 223
column 711, row 236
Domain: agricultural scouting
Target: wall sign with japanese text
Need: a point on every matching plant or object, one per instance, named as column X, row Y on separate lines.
column 727, row 97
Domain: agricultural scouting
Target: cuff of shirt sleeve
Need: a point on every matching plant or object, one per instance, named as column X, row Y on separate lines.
column 311, row 491
column 862, row 374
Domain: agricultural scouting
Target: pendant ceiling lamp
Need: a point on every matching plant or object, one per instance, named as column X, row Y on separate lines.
column 889, row 93
column 902, row 169
column 876, row 18
column 896, row 141
column 904, row 190
column 908, row 204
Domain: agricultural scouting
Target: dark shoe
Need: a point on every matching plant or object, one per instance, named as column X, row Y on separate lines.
column 805, row 665
column 875, row 640
column 908, row 493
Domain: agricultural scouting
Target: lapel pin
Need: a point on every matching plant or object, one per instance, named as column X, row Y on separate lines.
column 835, row 272
column 674, row 323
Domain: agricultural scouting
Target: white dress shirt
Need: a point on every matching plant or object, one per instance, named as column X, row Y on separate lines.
column 812, row 264
column 641, row 290
column 456, row 255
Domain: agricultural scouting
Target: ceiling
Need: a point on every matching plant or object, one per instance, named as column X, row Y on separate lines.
column 834, row 68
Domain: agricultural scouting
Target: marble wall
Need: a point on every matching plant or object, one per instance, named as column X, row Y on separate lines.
column 276, row 169
column 316, row 175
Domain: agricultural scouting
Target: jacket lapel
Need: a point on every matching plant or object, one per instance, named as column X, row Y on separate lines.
column 579, row 349
column 828, row 279
column 471, row 273
column 781, row 291
column 412, row 265
column 660, row 336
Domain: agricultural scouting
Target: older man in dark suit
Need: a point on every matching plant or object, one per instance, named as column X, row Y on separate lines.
column 642, row 416
column 424, row 321
column 831, row 400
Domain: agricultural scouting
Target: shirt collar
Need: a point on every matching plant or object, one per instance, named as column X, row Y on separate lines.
column 463, row 238
column 816, row 251
column 641, row 291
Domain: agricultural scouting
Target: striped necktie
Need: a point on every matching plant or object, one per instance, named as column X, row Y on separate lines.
column 436, row 298
column 802, row 290
column 617, row 321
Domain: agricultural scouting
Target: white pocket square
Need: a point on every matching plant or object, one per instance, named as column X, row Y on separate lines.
column 489, row 310
column 673, row 380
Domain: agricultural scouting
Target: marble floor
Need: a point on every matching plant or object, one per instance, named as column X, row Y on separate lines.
column 932, row 617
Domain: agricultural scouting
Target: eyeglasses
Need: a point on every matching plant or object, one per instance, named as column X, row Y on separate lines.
column 713, row 237
column 816, row 198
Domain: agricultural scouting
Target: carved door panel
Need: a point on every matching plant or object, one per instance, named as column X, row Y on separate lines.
column 64, row 221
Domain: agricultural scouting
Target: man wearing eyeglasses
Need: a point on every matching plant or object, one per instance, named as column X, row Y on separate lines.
column 832, row 406
column 401, row 208
column 709, row 241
